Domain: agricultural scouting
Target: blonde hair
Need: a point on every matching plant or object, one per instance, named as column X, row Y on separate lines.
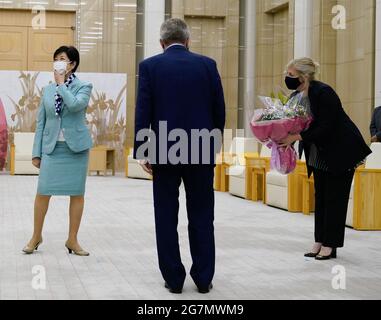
column 306, row 67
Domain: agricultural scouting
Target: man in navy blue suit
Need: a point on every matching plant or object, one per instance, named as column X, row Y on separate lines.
column 181, row 102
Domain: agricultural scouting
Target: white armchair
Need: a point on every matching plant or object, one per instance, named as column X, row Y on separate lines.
column 364, row 207
column 133, row 168
column 237, row 170
column 285, row 191
column 21, row 154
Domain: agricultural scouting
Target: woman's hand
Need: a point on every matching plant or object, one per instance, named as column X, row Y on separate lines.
column 59, row 78
column 290, row 140
column 374, row 139
column 36, row 162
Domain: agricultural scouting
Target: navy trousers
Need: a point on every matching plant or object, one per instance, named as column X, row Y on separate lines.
column 198, row 182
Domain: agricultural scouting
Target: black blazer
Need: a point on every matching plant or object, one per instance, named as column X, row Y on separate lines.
column 375, row 126
column 338, row 140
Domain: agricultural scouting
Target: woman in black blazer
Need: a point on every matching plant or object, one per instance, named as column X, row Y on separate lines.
column 333, row 147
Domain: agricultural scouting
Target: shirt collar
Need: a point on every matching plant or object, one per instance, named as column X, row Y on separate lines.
column 174, row 44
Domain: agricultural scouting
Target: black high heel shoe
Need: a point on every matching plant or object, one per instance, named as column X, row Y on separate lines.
column 333, row 255
column 311, row 255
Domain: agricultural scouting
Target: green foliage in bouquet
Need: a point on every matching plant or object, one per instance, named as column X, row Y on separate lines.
column 283, row 98
column 279, row 106
column 280, row 96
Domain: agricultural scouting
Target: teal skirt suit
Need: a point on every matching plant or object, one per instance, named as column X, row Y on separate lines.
column 64, row 164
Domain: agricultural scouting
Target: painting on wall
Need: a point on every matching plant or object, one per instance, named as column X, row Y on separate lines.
column 21, row 92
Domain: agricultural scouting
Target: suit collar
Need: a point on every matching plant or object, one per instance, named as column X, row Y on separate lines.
column 74, row 83
column 314, row 85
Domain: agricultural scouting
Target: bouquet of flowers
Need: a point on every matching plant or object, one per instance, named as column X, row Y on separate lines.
column 274, row 123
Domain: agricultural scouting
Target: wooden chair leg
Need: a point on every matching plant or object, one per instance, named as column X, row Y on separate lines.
column 254, row 194
column 264, row 187
column 306, row 195
column 217, row 179
column 249, row 184
column 13, row 164
column 224, row 179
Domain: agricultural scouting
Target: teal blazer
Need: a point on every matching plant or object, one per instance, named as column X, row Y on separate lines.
column 76, row 99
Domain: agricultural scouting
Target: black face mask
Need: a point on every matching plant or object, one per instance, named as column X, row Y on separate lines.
column 292, row 83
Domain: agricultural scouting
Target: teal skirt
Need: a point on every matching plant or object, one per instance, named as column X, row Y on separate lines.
column 63, row 173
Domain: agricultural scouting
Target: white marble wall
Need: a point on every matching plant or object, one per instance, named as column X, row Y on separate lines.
column 153, row 18
column 303, row 28
column 378, row 53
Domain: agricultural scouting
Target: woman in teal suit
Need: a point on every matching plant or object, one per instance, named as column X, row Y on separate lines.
column 61, row 147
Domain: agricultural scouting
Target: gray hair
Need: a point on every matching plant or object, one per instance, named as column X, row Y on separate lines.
column 174, row 30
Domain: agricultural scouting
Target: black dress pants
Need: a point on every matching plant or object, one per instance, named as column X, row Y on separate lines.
column 332, row 192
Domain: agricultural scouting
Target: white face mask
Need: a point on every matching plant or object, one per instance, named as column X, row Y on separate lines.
column 60, row 67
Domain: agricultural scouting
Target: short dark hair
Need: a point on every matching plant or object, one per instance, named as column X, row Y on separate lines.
column 71, row 52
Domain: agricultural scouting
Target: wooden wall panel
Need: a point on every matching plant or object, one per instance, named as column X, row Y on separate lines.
column 25, row 48
column 13, row 48
column 43, row 43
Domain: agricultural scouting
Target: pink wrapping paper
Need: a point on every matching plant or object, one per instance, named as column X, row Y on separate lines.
column 272, row 132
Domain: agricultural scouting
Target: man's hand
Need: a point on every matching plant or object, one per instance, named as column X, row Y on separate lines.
column 147, row 167
column 36, row 162
column 375, row 139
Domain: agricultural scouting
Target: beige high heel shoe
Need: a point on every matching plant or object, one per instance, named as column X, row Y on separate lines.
column 81, row 253
column 30, row 250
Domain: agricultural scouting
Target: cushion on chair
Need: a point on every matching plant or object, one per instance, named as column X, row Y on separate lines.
column 23, row 157
column 275, row 178
column 135, row 170
column 277, row 196
column 265, row 152
column 237, row 186
column 242, row 146
column 23, row 142
column 25, row 167
column 374, row 160
column 237, row 171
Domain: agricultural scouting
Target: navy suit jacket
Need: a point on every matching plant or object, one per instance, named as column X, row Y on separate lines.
column 185, row 90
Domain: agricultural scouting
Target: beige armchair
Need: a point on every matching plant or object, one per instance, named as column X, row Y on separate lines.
column 364, row 207
column 133, row 168
column 241, row 147
column 285, row 191
column 21, row 154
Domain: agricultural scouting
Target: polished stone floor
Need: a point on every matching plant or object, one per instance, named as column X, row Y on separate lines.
column 259, row 250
